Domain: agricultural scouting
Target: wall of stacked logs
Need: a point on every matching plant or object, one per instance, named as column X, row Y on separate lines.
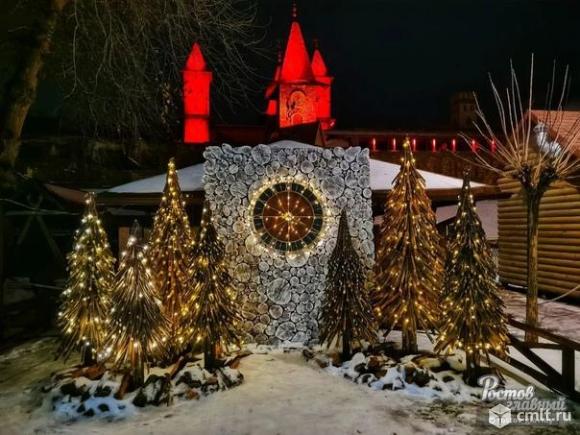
column 559, row 240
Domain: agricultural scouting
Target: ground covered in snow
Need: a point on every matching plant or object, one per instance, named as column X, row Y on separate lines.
column 282, row 393
column 77, row 394
column 556, row 316
column 422, row 375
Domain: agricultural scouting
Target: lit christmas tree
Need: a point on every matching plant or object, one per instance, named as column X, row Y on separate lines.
column 409, row 263
column 138, row 323
column 346, row 311
column 215, row 313
column 169, row 258
column 84, row 315
column 473, row 312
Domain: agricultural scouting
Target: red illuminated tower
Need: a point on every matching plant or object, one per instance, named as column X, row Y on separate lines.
column 300, row 91
column 323, row 89
column 196, row 93
column 272, row 88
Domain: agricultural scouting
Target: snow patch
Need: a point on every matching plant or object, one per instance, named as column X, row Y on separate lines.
column 382, row 174
column 424, row 376
column 72, row 399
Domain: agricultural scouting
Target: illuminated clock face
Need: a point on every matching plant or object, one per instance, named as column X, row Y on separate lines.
column 288, row 217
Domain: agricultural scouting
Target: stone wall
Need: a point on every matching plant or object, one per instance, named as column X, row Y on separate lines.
column 280, row 293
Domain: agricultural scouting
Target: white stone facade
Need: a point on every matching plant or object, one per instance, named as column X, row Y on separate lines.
column 280, row 293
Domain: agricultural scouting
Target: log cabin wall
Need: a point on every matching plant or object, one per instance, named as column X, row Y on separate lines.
column 559, row 238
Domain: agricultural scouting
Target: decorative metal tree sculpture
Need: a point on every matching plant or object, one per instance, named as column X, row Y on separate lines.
column 215, row 311
column 473, row 317
column 525, row 152
column 409, row 264
column 84, row 315
column 169, row 257
column 346, row 310
column 138, row 323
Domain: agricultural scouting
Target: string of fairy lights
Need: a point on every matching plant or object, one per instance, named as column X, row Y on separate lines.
column 175, row 295
column 216, row 314
column 289, row 215
column 473, row 312
column 170, row 252
column 346, row 312
column 84, row 313
column 409, row 264
column 139, row 326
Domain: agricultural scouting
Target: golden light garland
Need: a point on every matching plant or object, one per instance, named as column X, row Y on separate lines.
column 346, row 312
column 409, row 261
column 84, row 314
column 473, row 317
column 170, row 244
column 215, row 315
column 138, row 326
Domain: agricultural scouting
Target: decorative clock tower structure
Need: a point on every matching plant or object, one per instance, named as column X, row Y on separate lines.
column 276, row 208
column 300, row 91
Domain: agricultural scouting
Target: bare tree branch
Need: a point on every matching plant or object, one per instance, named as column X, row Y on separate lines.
column 535, row 148
column 121, row 61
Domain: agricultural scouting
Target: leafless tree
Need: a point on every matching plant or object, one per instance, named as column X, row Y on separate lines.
column 123, row 59
column 25, row 83
column 120, row 63
column 534, row 153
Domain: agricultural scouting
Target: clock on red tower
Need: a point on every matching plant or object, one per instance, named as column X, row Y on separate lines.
column 302, row 86
column 297, row 105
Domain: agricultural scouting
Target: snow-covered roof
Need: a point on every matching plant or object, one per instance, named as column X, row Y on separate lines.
column 486, row 210
column 190, row 180
column 382, row 176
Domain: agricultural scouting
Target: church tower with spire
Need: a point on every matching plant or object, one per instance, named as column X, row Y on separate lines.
column 301, row 89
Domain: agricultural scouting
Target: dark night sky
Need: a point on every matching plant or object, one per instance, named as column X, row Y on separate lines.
column 396, row 62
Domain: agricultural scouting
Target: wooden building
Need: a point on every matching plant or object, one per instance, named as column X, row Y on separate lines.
column 559, row 224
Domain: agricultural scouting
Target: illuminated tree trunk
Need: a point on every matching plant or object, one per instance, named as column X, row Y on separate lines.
column 533, row 215
column 26, row 84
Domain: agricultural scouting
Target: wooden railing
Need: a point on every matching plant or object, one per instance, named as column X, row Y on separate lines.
column 562, row 382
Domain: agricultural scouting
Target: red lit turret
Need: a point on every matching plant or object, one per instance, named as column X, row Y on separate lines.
column 196, row 98
column 323, row 107
column 271, row 89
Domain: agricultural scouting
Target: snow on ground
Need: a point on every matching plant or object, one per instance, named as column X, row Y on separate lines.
column 421, row 375
column 382, row 175
column 486, row 210
column 558, row 317
column 281, row 394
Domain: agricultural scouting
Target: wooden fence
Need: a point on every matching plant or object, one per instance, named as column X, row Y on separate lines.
column 562, row 382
